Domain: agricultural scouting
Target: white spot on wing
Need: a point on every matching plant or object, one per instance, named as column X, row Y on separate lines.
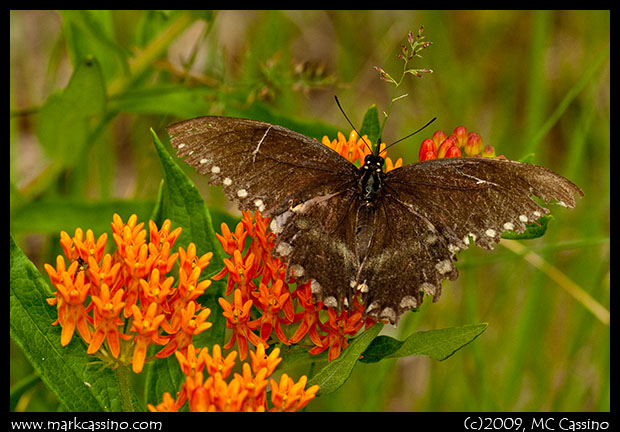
column 260, row 205
column 523, row 218
column 284, row 249
column 203, row 161
column 428, row 288
column 315, row 287
column 490, row 232
column 298, row 270
column 431, row 239
column 408, row 302
column 330, row 302
column 227, row 181
column 242, row 193
column 444, row 266
column 372, row 306
column 388, row 313
column 215, row 169
column 509, row 226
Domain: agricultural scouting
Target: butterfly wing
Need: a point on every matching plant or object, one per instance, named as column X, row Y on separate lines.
column 432, row 209
column 261, row 166
column 307, row 189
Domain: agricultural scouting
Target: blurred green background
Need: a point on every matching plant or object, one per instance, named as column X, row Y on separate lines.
column 527, row 81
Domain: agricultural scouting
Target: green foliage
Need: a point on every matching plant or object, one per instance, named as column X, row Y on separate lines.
column 370, row 125
column 86, row 87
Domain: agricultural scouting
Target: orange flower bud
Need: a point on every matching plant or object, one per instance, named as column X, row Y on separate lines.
column 453, row 151
column 439, row 137
column 461, row 135
column 488, row 151
column 427, row 150
column 443, row 148
column 473, row 145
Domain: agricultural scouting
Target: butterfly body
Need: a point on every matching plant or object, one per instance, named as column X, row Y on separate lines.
column 371, row 177
column 389, row 237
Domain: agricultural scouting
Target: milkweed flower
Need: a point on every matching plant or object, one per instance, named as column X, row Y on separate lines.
column 124, row 301
column 210, row 386
column 459, row 142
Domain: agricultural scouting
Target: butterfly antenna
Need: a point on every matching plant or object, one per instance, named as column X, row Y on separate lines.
column 411, row 134
column 345, row 116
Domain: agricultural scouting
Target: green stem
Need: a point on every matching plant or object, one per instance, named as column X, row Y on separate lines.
column 123, row 374
column 392, row 100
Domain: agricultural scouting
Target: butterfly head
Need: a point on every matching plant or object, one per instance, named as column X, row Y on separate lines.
column 373, row 162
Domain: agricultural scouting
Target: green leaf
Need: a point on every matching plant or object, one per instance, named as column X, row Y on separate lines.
column 532, row 231
column 335, row 373
column 370, row 125
column 439, row 344
column 63, row 122
column 183, row 205
column 63, row 369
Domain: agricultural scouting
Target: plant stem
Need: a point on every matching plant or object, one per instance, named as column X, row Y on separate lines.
column 123, row 374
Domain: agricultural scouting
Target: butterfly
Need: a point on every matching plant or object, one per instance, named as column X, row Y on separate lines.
column 388, row 238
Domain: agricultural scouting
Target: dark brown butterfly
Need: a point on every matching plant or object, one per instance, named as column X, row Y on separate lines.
column 389, row 237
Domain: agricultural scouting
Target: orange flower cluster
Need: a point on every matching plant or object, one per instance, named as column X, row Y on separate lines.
column 442, row 146
column 102, row 295
column 355, row 149
column 245, row 391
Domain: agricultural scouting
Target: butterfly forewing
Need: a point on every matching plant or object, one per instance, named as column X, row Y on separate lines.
column 261, row 166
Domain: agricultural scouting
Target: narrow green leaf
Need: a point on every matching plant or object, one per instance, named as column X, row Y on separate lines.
column 439, row 344
column 335, row 373
column 62, row 369
column 371, row 125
